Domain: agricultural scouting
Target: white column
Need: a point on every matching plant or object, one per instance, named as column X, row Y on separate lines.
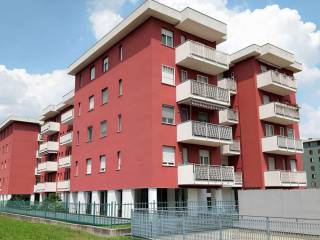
column 42, row 197
column 32, row 198
column 82, row 200
column 112, row 203
column 96, row 202
column 171, row 198
column 192, row 199
column 73, row 202
column 127, row 202
column 152, row 198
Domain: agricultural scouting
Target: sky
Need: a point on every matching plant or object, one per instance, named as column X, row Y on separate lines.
column 39, row 39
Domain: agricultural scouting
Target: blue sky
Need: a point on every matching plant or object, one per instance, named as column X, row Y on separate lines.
column 41, row 38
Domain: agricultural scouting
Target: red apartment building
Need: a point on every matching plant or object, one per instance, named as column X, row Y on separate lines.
column 160, row 115
column 18, row 143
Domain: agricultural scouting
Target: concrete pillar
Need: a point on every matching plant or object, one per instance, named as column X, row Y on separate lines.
column 73, row 202
column 152, row 198
column 192, row 200
column 202, row 197
column 42, row 197
column 112, row 203
column 82, row 200
column 171, row 198
column 127, row 202
column 32, row 198
column 96, row 202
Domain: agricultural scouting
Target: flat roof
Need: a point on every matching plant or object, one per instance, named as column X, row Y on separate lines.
column 311, row 140
column 188, row 20
column 12, row 119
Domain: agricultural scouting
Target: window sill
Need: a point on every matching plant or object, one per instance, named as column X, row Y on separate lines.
column 119, row 131
column 101, row 172
column 169, row 124
column 90, row 110
column 88, row 174
column 102, row 137
column 118, row 169
column 172, row 47
column 168, row 84
column 102, row 104
column 165, row 165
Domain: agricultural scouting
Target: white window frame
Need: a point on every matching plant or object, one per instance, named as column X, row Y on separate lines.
column 103, row 134
column 105, row 64
column 166, row 155
column 89, row 138
column 184, row 75
column 200, row 78
column 166, row 34
column 105, row 95
column 166, row 79
column 164, row 120
column 92, row 73
column 91, row 102
column 103, row 163
column 282, row 131
column 119, row 123
column 120, row 87
column 183, row 39
column 88, row 166
column 119, row 160
column 290, row 133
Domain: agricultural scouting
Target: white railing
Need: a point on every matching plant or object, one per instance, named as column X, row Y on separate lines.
column 228, row 83
column 213, row 131
column 213, row 173
column 281, row 79
column 65, row 161
column 63, row 185
column 232, row 115
column 48, row 147
column 65, row 139
column 278, row 178
column 67, row 116
column 45, row 187
column 289, row 143
column 238, row 179
column 235, row 146
column 286, row 110
column 208, row 53
column 48, row 166
column 209, row 91
column 50, row 126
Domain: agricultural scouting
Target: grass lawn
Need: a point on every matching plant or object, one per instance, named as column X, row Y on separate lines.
column 14, row 229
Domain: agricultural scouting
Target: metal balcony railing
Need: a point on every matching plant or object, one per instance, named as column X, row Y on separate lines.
column 289, row 143
column 286, row 110
column 214, row 173
column 235, row 146
column 213, row 131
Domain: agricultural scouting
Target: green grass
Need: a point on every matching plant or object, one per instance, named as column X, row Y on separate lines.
column 14, row 229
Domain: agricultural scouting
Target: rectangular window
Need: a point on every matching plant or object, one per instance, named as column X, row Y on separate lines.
column 90, row 134
column 119, row 127
column 168, row 75
column 91, row 103
column 281, row 131
column 79, row 109
column 184, row 75
column 120, row 53
column 290, row 133
column 167, row 37
column 313, row 176
column 183, row 39
column 105, row 95
column 265, row 99
column 88, row 166
column 105, row 64
column 120, row 88
column 167, row 114
column 119, row 160
column 102, row 163
column 103, row 128
column 203, row 79
column 269, row 130
column 78, row 138
column 77, row 169
column 168, row 156
column 80, row 81
column 203, row 117
column 310, row 152
column 185, row 155
column 92, row 73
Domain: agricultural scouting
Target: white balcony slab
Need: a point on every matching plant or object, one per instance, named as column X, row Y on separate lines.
column 279, row 113
column 228, row 117
column 282, row 145
column 232, row 149
column 280, row 178
column 63, row 186
column 48, row 147
column 67, row 117
column 48, row 166
column 228, row 83
column 50, row 128
column 45, row 187
column 66, row 139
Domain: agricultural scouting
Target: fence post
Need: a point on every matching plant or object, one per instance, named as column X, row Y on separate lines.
column 111, row 213
column 220, row 227
column 183, row 227
column 94, row 213
column 268, row 228
column 79, row 211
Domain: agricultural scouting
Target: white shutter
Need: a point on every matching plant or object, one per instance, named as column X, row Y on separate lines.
column 168, row 155
column 168, row 75
column 166, row 32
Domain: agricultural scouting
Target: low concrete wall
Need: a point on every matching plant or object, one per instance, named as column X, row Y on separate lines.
column 298, row 203
column 100, row 231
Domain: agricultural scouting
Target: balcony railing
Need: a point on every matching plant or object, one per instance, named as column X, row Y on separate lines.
column 279, row 113
column 228, row 83
column 39, row 138
column 48, row 166
column 63, row 186
column 50, row 128
column 203, row 133
column 66, row 139
column 228, row 117
column 202, row 58
column 64, row 162
column 279, row 178
column 238, row 179
column 67, row 117
column 48, row 147
column 232, row 149
column 45, row 187
column 195, row 174
column 282, row 145
column 275, row 82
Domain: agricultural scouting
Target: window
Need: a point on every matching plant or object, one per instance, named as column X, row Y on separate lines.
column 79, row 109
column 119, row 160
column 185, row 155
column 167, row 37
column 78, row 138
column 103, row 128
column 202, row 79
column 102, row 163
column 312, row 168
column 88, row 166
column 120, row 88
column 269, row 130
column 313, row 176
column 120, row 53
column 263, row 68
column 271, row 164
column 119, row 128
column 167, row 114
column 80, row 81
column 184, row 115
column 310, row 152
column 311, row 159
column 204, row 157
column 281, row 131
column 105, row 95
column 184, row 75
column 92, row 73
column 77, row 169
column 90, row 134
column 290, row 133
column 183, row 39
column 266, row 99
column 203, row 117
column 105, row 66
column 168, row 75
column 168, row 156
column 91, row 103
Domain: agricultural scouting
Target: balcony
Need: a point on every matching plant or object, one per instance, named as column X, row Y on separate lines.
column 238, row 182
column 64, row 162
column 228, row 117
column 202, row 133
column 63, row 186
column 48, row 147
column 39, row 138
column 45, row 187
column 232, row 149
column 282, row 145
column 210, row 175
column 67, row 117
column 228, row 83
column 279, row 113
column 202, row 58
column 277, row 83
column 66, row 139
column 192, row 92
column 280, row 178
column 36, row 171
column 48, row 166
column 50, row 128
column 38, row 156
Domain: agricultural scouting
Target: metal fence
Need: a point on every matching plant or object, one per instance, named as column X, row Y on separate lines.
column 108, row 214
column 209, row 225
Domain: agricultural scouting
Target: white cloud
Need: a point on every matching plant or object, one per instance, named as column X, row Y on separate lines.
column 310, row 121
column 26, row 94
